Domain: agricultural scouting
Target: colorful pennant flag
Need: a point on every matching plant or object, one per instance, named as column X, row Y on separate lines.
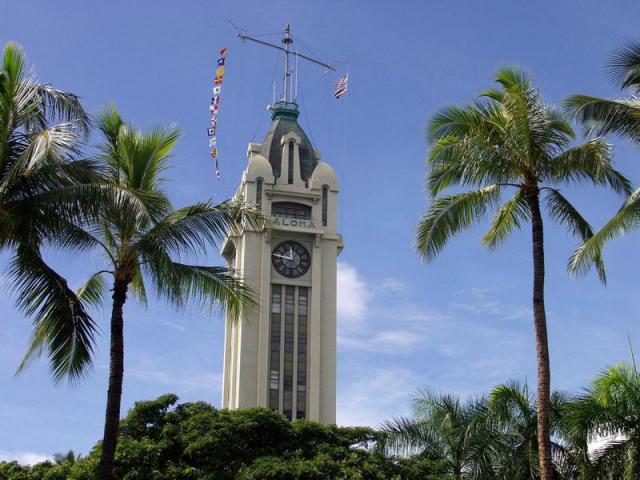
column 213, row 109
column 342, row 86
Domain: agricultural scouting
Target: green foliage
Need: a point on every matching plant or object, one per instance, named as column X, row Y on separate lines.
column 44, row 187
column 162, row 440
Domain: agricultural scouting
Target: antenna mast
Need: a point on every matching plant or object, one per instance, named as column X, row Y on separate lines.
column 287, row 41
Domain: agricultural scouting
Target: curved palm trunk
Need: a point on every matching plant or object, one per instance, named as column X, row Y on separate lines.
column 116, row 373
column 542, row 345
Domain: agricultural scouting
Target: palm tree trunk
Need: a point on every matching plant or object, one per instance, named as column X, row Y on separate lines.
column 116, row 373
column 542, row 345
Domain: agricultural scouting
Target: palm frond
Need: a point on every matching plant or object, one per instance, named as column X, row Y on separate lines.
column 592, row 162
column 452, row 121
column 450, row 214
column 565, row 214
column 62, row 326
column 64, row 107
column 624, row 65
column 179, row 283
column 627, row 218
column 191, row 229
column 406, row 436
column 602, row 116
column 94, row 290
column 510, row 216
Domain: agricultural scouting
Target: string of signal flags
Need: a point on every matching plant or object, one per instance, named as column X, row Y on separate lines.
column 341, row 88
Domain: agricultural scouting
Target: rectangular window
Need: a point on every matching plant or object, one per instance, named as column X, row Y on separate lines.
column 301, row 396
column 274, row 355
column 287, row 384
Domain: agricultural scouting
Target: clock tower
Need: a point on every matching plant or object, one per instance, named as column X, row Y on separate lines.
column 282, row 354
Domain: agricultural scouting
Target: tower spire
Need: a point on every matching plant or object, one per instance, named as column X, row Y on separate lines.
column 287, row 40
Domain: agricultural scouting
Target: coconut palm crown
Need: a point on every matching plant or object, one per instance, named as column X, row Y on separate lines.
column 510, row 140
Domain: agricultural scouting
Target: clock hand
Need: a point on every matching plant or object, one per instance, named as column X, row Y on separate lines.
column 281, row 256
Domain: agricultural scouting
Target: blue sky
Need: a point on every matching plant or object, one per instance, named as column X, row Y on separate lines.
column 460, row 324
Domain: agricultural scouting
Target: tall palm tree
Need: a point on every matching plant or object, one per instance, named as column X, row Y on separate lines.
column 604, row 116
column 445, row 427
column 608, row 414
column 513, row 409
column 140, row 250
column 43, row 188
column 512, row 140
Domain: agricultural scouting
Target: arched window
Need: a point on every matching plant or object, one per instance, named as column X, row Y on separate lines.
column 325, row 204
column 259, row 194
column 290, row 162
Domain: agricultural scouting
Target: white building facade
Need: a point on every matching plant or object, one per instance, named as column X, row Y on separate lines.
column 282, row 354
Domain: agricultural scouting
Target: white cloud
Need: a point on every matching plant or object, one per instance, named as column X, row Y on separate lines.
column 183, row 382
column 174, row 326
column 386, row 341
column 482, row 301
column 394, row 285
column 353, row 294
column 24, row 458
column 379, row 395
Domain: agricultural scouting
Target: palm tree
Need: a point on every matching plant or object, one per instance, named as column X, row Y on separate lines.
column 43, row 188
column 608, row 414
column 445, row 427
column 512, row 140
column 602, row 117
column 140, row 250
column 513, row 408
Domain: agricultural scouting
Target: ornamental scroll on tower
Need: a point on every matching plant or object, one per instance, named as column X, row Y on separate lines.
column 282, row 354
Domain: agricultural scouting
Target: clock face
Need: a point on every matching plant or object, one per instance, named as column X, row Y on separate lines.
column 291, row 259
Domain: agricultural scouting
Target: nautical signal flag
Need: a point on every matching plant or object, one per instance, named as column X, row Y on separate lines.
column 342, row 86
column 213, row 109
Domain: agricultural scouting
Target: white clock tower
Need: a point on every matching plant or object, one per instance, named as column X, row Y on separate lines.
column 282, row 355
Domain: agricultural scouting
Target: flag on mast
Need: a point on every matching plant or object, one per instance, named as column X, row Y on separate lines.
column 342, row 86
